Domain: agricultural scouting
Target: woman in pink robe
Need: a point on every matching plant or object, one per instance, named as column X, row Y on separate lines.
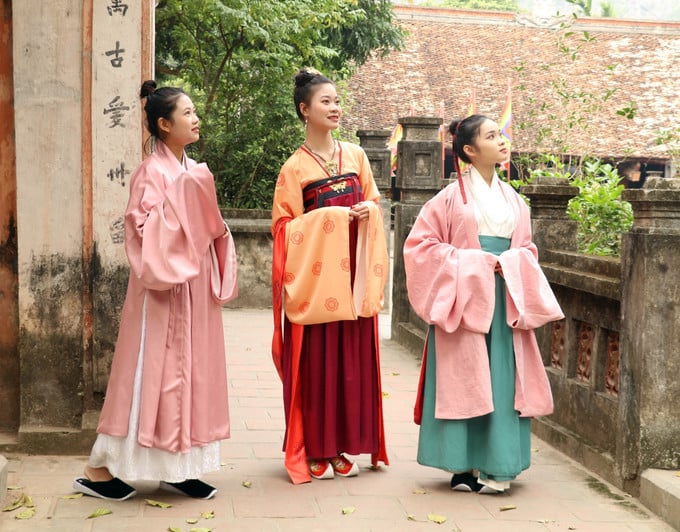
column 330, row 261
column 472, row 274
column 166, row 407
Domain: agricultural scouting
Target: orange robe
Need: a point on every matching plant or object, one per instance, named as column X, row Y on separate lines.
column 311, row 272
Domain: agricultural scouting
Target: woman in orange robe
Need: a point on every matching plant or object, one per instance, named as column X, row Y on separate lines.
column 329, row 268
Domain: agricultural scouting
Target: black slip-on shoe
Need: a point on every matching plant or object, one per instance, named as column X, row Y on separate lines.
column 111, row 490
column 465, row 482
column 193, row 487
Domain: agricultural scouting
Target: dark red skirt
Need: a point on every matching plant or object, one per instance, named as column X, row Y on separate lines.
column 338, row 363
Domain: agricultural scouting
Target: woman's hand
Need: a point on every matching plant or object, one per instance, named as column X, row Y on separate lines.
column 359, row 212
column 498, row 269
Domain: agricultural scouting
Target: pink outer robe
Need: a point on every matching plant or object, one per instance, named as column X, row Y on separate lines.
column 450, row 283
column 184, row 263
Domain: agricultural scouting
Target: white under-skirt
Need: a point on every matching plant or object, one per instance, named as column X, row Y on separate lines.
column 128, row 460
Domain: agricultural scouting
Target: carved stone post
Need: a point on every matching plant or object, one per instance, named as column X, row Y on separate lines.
column 649, row 411
column 419, row 176
column 374, row 143
column 551, row 227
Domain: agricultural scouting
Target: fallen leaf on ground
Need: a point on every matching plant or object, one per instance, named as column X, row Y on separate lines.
column 348, row 510
column 419, row 491
column 21, row 500
column 200, row 530
column 192, row 521
column 73, row 496
column 26, row 514
column 14, row 488
column 386, row 394
column 507, row 507
column 208, row 515
column 435, row 518
column 247, row 483
column 395, row 373
column 99, row 512
column 158, row 504
column 174, row 529
column 16, row 504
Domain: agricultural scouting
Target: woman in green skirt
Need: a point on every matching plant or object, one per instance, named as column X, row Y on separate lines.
column 473, row 275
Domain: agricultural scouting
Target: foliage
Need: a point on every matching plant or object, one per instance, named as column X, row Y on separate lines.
column 487, row 5
column 601, row 214
column 586, row 8
column 669, row 139
column 237, row 59
column 554, row 123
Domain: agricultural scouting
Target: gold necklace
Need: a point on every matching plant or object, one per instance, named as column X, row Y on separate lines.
column 330, row 165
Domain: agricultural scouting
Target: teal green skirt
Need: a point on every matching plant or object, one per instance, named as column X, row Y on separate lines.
column 498, row 444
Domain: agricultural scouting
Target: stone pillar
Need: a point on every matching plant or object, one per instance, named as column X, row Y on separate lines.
column 77, row 71
column 9, row 317
column 419, row 176
column 374, row 143
column 551, row 228
column 550, row 225
column 649, row 411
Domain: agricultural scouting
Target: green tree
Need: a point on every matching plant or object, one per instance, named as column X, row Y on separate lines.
column 586, row 8
column 237, row 59
column 485, row 5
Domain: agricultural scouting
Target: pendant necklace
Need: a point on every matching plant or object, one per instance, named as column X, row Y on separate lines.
column 330, row 165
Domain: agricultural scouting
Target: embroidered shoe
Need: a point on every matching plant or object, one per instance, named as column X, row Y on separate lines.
column 465, row 482
column 320, row 469
column 111, row 490
column 194, row 488
column 344, row 467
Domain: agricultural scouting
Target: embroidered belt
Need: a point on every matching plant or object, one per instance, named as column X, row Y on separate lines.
column 318, row 192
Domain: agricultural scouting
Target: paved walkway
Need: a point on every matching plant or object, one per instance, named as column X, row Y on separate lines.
column 255, row 494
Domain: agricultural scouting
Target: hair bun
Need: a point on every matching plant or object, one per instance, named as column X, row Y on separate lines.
column 453, row 126
column 148, row 88
column 305, row 75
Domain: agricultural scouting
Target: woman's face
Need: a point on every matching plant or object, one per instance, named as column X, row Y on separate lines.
column 182, row 128
column 489, row 146
column 323, row 110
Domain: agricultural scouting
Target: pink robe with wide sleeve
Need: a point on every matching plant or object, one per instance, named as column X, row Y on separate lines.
column 450, row 282
column 184, row 264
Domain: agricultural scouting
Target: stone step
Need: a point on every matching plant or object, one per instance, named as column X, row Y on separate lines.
column 660, row 492
column 3, row 478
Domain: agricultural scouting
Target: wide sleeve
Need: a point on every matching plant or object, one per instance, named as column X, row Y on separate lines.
column 447, row 286
column 224, row 280
column 169, row 230
column 530, row 299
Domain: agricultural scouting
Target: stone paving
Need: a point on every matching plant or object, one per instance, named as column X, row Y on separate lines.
column 555, row 494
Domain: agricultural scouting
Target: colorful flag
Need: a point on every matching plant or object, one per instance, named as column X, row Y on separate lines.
column 397, row 133
column 505, row 125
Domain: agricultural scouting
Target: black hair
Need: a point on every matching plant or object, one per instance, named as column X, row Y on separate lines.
column 160, row 103
column 464, row 132
column 306, row 81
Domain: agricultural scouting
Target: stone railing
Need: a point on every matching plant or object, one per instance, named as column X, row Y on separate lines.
column 614, row 361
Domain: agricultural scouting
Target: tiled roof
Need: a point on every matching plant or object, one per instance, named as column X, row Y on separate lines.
column 449, row 52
